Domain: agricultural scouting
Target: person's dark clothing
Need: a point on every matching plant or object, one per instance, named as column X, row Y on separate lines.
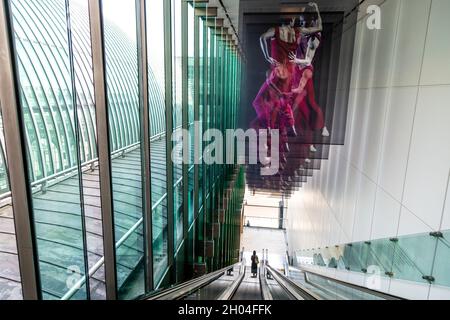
column 255, row 262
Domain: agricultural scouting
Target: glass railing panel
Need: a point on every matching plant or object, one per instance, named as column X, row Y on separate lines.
column 421, row 258
column 381, row 254
column 441, row 272
column 413, row 257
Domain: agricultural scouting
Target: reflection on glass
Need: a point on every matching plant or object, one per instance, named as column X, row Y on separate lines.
column 201, row 107
column 440, row 269
column 160, row 239
column 419, row 258
column 46, row 105
column 123, row 105
column 381, row 255
column 88, row 145
column 156, row 62
column 191, row 95
column 177, row 84
column 413, row 257
column 10, row 282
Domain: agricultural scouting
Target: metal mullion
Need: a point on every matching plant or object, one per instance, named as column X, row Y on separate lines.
column 17, row 163
column 169, row 127
column 104, row 148
column 145, row 144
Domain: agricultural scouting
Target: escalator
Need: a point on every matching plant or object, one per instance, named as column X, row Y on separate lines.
column 236, row 283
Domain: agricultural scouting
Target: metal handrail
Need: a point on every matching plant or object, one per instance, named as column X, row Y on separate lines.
column 69, row 294
column 265, row 291
column 376, row 293
column 231, row 290
column 292, row 288
column 85, row 165
column 184, row 289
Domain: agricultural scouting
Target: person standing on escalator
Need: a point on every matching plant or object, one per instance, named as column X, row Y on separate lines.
column 255, row 262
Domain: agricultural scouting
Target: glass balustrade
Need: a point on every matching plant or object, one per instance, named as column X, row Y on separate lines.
column 421, row 258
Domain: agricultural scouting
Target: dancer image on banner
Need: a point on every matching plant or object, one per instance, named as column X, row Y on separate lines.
column 304, row 101
column 273, row 102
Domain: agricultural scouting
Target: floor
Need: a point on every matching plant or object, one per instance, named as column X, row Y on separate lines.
column 59, row 228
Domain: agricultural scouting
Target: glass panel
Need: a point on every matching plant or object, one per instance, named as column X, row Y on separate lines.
column 49, row 116
column 177, row 83
column 419, row 258
column 191, row 95
column 156, row 61
column 440, row 269
column 160, row 240
column 356, row 257
column 381, row 255
column 413, row 257
column 10, row 282
column 123, row 105
column 88, row 144
column 201, row 92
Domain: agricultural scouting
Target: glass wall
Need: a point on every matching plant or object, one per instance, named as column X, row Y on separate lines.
column 191, row 109
column 177, row 86
column 126, row 165
column 83, row 79
column 54, row 65
column 10, row 282
column 47, row 106
column 156, row 63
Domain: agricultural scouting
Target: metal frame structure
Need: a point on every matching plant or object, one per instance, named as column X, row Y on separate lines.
column 98, row 57
column 109, row 125
column 9, row 100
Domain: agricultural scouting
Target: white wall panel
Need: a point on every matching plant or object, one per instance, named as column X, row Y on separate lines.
column 410, row 42
column 436, row 64
column 429, row 159
column 446, row 214
column 364, row 210
column 410, row 224
column 374, row 132
column 409, row 290
column 386, row 215
column 397, row 135
column 385, row 43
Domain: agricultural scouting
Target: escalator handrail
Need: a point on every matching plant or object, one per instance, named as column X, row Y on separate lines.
column 265, row 291
column 184, row 289
column 292, row 288
column 373, row 292
column 231, row 290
